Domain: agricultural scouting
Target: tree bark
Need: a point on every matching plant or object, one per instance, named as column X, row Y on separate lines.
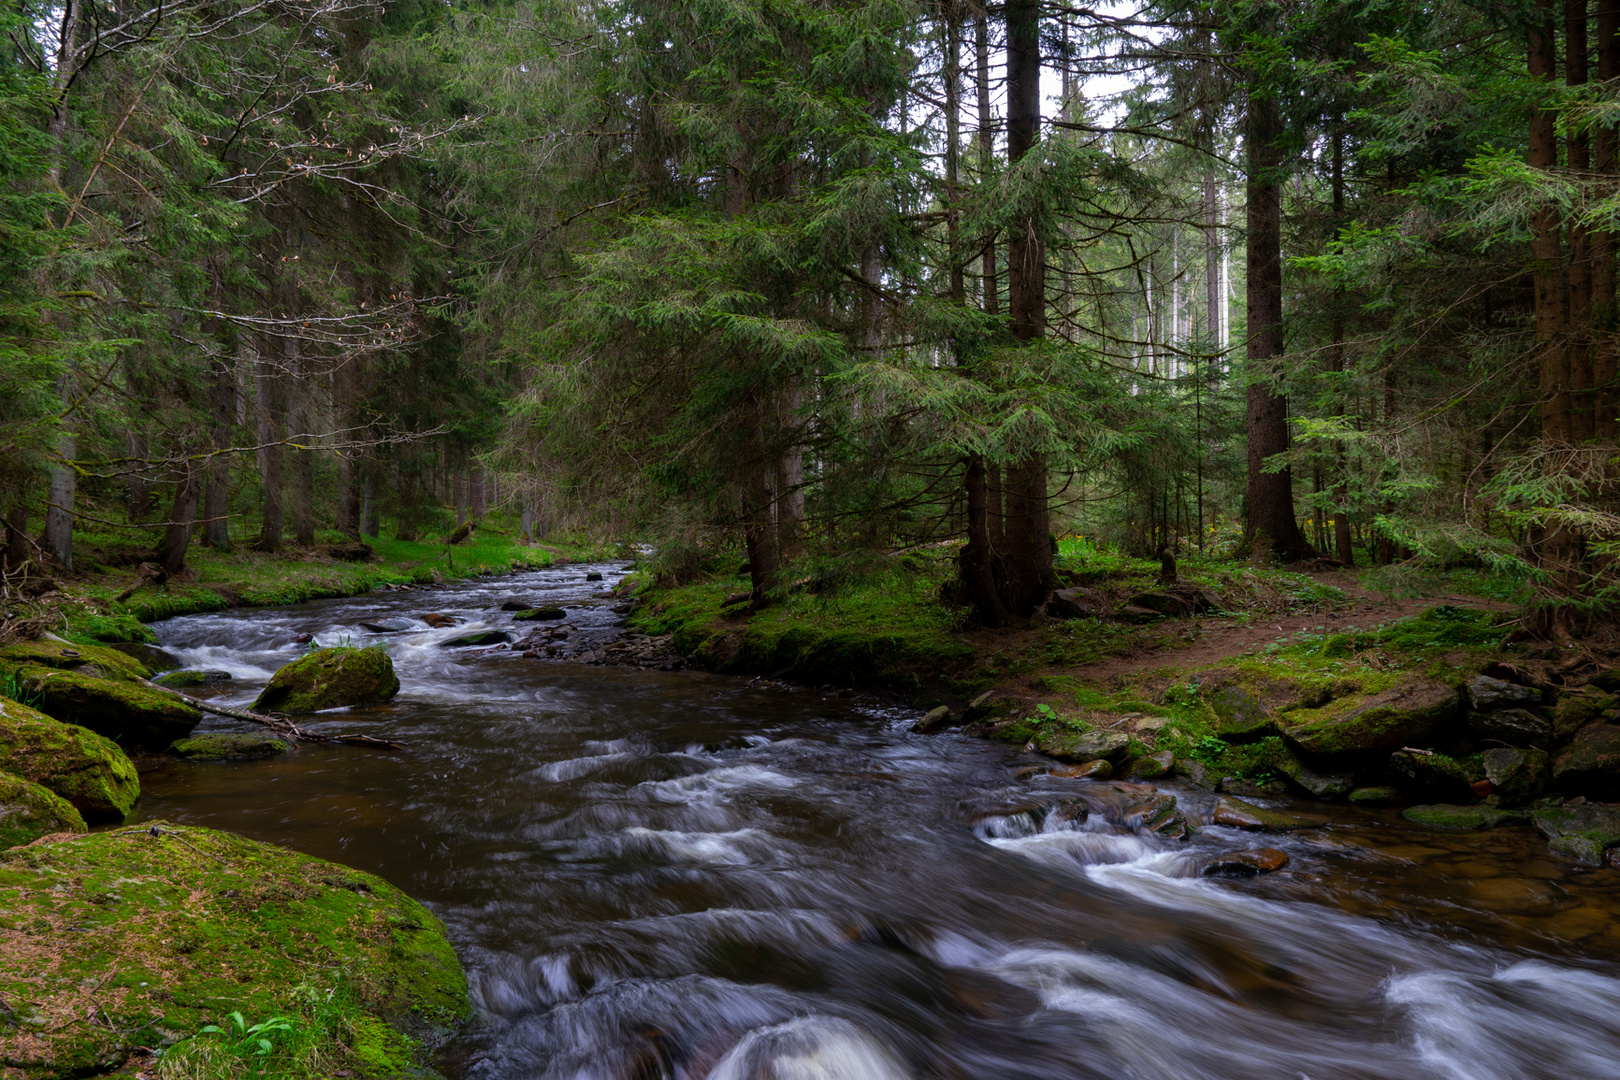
column 478, row 494
column 59, row 509
column 368, row 507
column 1546, row 250
column 182, row 519
column 789, row 477
column 272, row 428
column 140, row 492
column 18, row 550
column 987, row 150
column 222, row 399
column 303, row 460
column 1342, row 542
column 1605, row 314
column 1580, row 338
column 1271, row 518
column 759, row 532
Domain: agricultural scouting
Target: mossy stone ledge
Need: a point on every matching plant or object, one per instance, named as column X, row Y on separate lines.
column 86, row 769
column 230, row 746
column 330, row 679
column 160, row 930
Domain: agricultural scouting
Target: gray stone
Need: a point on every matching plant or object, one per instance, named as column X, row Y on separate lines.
column 1517, row 775
column 1430, row 777
column 1322, row 785
column 1237, row 814
column 1087, row 746
column 1486, row 693
column 1592, row 761
column 544, row 614
column 483, row 637
column 1151, row 766
column 979, row 707
column 1402, row 716
column 1517, row 727
column 1459, row 818
column 1375, row 796
column 932, row 721
column 1074, row 604
column 1198, row 774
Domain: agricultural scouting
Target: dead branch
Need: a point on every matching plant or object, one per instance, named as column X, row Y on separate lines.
column 279, row 724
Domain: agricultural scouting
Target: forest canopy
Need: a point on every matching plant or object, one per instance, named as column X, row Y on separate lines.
column 820, row 280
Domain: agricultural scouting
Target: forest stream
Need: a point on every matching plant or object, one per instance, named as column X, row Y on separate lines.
column 674, row 874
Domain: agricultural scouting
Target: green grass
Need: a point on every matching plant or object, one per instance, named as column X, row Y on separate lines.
column 317, row 1040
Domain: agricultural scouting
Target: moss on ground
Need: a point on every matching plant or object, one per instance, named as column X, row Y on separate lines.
column 129, row 713
column 328, row 679
column 161, row 931
column 86, row 769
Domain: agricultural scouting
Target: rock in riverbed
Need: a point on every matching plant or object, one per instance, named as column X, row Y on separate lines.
column 1246, row 863
column 1246, row 815
column 86, row 769
column 230, row 746
column 1459, row 818
column 1581, row 832
column 100, row 689
column 328, row 679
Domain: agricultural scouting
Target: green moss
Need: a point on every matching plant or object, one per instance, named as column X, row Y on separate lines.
column 94, row 660
column 84, row 768
column 131, row 714
column 29, row 811
column 328, row 679
column 165, row 930
column 1405, row 715
column 1460, row 818
column 223, row 746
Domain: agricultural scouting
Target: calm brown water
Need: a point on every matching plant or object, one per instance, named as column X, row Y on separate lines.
column 680, row 875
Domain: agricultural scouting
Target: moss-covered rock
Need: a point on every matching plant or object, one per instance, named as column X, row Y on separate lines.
column 1238, row 814
column 1431, row 777
column 97, row 661
column 86, row 769
column 161, row 930
column 1317, row 781
column 1246, row 703
column 328, row 679
column 1576, row 710
column 1460, row 818
column 130, row 713
column 1514, row 727
column 28, row 811
column 1516, row 775
column 541, row 614
column 1375, row 796
column 1403, row 715
column 179, row 680
column 1591, row 763
column 1580, row 832
column 1083, row 746
column 230, row 746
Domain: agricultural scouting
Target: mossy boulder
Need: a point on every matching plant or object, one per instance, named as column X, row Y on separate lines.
column 97, row 661
column 1404, row 715
column 1317, row 781
column 1431, row 777
column 161, row 930
column 179, row 680
column 1083, row 746
column 132, row 714
column 1238, row 814
column 540, row 614
column 230, row 746
column 1516, row 775
column 1514, row 727
column 86, row 769
column 1375, row 796
column 329, row 679
column 1576, row 710
column 1460, row 818
column 1591, row 763
column 1247, row 703
column 1581, row 832
column 28, row 811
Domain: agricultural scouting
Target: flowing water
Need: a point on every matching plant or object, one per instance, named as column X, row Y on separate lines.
column 671, row 874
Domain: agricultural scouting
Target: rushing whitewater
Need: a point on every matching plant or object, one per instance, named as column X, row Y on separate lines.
column 678, row 875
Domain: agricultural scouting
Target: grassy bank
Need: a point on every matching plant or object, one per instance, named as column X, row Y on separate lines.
column 99, row 600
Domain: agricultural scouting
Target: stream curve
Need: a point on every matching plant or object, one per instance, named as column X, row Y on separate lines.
column 674, row 874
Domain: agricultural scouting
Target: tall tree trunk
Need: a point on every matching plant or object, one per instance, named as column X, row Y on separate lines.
column 759, row 532
column 140, row 490
column 1546, row 250
column 59, row 506
column 1270, row 494
column 1212, row 259
column 18, row 549
column 1605, row 314
column 182, row 519
column 222, row 400
column 407, row 506
column 346, row 514
column 272, row 429
column 1580, row 337
column 987, row 148
column 368, row 506
column 526, row 523
column 789, row 476
column 1029, row 575
column 478, row 494
column 303, row 459
column 1342, row 543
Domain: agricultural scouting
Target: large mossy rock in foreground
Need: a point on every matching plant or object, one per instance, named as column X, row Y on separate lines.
column 328, row 679
column 157, row 931
column 86, row 769
column 1404, row 715
column 28, row 811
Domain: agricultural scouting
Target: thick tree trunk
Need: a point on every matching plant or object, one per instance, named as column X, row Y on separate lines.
column 1271, row 519
column 1546, row 250
column 59, row 506
column 478, row 494
column 368, row 507
column 989, row 289
column 407, row 507
column 216, row 498
column 140, row 491
column 1028, row 547
column 18, row 550
column 1342, row 543
column 526, row 523
column 1580, row 339
column 978, row 571
column 789, row 477
column 346, row 517
column 303, row 460
column 182, row 519
column 1605, row 312
column 759, row 531
column 272, row 428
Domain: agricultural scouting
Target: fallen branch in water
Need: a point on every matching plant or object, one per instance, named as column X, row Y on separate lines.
column 279, row 724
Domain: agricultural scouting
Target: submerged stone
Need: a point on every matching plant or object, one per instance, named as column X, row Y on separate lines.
column 1375, row 796
column 230, row 746
column 29, row 811
column 541, row 614
column 483, row 637
column 1459, row 818
column 86, row 769
column 1237, row 814
column 1581, row 832
column 166, row 929
column 1091, row 770
column 1246, row 863
column 177, row 680
column 328, row 679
